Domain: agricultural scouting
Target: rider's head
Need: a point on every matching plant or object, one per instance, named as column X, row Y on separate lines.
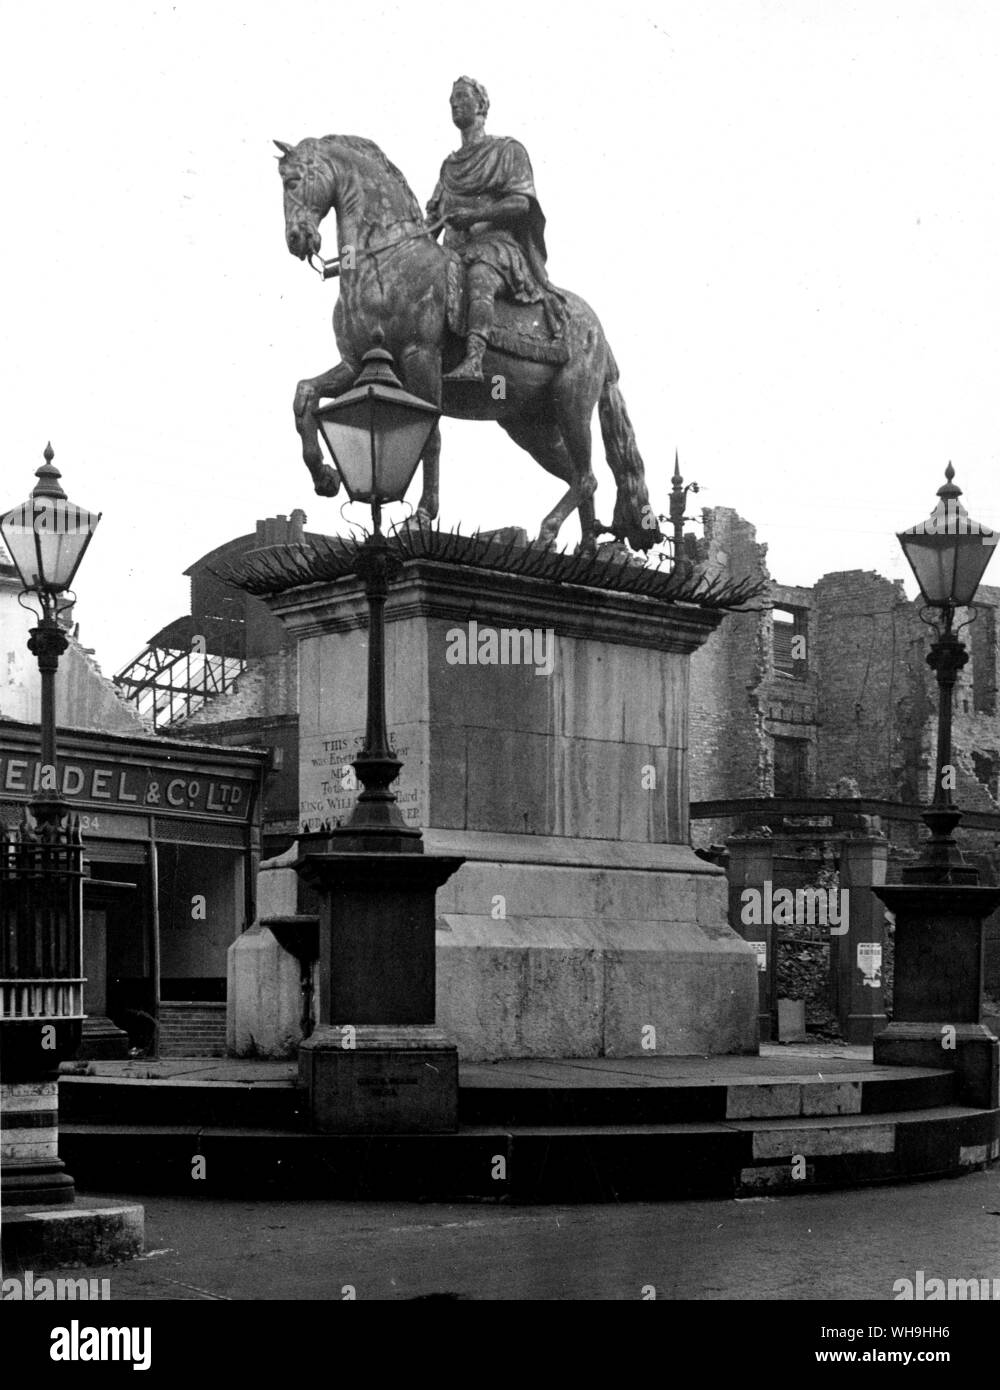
column 469, row 98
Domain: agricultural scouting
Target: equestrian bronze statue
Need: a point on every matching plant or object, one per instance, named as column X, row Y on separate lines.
column 475, row 325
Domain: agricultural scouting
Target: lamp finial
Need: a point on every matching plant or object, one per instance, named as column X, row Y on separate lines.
column 949, row 488
column 48, row 476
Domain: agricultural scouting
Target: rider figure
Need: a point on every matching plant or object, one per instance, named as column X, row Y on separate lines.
column 486, row 198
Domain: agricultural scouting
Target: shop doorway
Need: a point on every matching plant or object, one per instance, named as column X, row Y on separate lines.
column 118, row 949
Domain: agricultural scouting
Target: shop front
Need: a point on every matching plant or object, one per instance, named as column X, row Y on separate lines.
column 171, row 836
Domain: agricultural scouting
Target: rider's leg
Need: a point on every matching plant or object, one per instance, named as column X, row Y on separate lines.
column 482, row 284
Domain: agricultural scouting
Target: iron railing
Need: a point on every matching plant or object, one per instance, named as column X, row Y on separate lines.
column 41, row 920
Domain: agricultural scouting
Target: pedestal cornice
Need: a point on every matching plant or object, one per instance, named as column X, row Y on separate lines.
column 429, row 588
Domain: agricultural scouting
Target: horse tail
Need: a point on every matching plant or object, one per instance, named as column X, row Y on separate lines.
column 634, row 519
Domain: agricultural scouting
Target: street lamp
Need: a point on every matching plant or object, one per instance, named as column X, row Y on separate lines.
column 948, row 554
column 939, row 907
column 376, row 434
column 41, row 871
column 376, row 887
column 47, row 537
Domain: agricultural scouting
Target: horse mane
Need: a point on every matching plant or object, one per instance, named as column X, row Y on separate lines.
column 360, row 145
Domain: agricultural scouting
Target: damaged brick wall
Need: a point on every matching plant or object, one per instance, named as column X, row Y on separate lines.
column 727, row 748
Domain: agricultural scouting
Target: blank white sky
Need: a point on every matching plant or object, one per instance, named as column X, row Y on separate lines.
column 787, row 216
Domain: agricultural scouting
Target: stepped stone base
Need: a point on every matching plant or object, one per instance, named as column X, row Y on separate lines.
column 660, row 1128
column 93, row 1232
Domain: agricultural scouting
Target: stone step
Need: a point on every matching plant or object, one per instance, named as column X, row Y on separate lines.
column 178, row 1101
column 552, row 1164
column 633, row 1092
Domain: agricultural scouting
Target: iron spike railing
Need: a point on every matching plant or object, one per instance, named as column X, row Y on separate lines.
column 276, row 569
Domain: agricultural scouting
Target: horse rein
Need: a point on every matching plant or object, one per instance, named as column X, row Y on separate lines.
column 328, row 270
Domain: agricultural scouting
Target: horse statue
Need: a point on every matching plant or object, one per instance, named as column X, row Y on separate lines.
column 398, row 282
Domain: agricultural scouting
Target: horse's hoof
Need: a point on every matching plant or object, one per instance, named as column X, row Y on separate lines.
column 326, row 482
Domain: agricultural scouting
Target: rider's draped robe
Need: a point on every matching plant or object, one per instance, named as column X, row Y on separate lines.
column 493, row 168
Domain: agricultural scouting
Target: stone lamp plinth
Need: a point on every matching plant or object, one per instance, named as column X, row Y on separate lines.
column 376, row 1063
column 938, row 986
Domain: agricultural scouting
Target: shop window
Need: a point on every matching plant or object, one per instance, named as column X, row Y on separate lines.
column 201, row 906
column 790, row 627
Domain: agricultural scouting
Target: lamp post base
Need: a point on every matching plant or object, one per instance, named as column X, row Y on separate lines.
column 32, row 1173
column 937, row 992
column 969, row 1049
column 374, row 1078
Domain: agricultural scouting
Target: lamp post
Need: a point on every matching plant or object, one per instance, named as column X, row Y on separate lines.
column 939, row 906
column 41, row 871
column 376, row 1062
column 948, row 554
column 376, row 434
column 47, row 537
column 678, row 503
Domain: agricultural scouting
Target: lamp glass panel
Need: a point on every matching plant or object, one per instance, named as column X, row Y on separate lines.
column 19, row 537
column 928, row 564
column 347, row 432
column 400, row 432
column 46, row 537
column 974, row 554
column 948, row 568
column 63, row 532
column 400, row 437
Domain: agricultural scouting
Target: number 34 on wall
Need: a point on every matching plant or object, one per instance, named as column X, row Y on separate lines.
column 90, row 823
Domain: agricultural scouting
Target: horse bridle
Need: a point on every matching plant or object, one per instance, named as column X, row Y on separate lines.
column 327, row 270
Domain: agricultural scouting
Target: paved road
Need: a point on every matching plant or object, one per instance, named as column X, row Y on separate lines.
column 834, row 1246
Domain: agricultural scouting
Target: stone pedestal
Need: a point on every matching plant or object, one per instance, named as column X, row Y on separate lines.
column 543, row 733
column 938, row 987
column 857, row 954
column 377, row 1063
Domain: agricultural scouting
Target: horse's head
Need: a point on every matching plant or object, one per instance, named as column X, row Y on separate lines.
column 340, row 171
column 308, row 183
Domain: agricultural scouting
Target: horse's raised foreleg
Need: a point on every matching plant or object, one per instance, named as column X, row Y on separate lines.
column 308, row 395
column 421, row 372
